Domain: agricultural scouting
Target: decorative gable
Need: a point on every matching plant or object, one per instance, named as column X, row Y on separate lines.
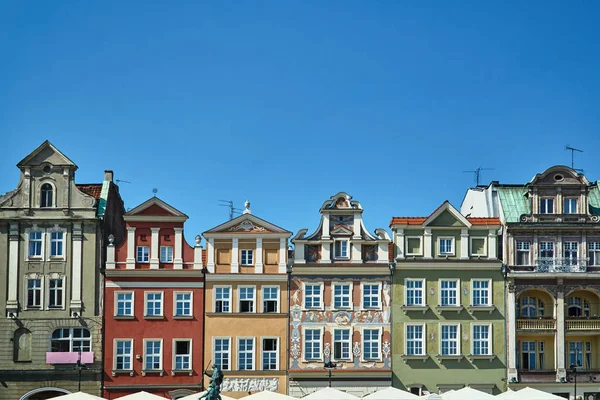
column 154, row 208
column 46, row 153
column 247, row 223
column 447, row 215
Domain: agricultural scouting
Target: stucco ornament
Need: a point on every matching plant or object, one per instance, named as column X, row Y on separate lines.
column 356, row 351
column 250, row 384
column 431, row 291
column 247, row 226
column 386, row 349
column 327, row 350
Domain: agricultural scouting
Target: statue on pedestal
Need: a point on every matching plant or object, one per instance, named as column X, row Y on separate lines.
column 214, row 388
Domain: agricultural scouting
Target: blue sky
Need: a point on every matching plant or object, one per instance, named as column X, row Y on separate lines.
column 287, row 103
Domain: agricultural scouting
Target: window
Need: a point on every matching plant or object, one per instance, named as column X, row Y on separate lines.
column 528, row 355
column 55, row 293
column 531, row 307
column 594, row 253
column 46, row 195
column 270, row 299
column 221, row 353
column 154, row 304
column 34, row 293
column 448, row 292
column 415, row 340
column 247, row 257
column 575, row 307
column 546, row 206
column 371, row 344
column 413, row 246
column 35, row 244
column 246, row 354
column 546, row 249
column 341, row 344
column 269, row 354
column 182, row 352
column 71, row 340
column 570, row 206
column 312, row 295
column 183, row 304
column 481, row 340
column 450, row 340
column 222, row 299
column 166, row 254
column 312, row 344
column 588, row 355
column 571, row 252
column 481, row 292
column 523, row 253
column 246, row 294
column 143, row 254
column 414, row 292
column 124, row 304
column 370, row 295
column 478, row 246
column 341, row 249
column 152, row 355
column 341, row 295
column 576, row 354
column 56, row 244
column 446, row 246
column 123, row 354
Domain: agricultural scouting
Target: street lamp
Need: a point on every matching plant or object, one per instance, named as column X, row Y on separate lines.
column 79, row 366
column 329, row 366
column 573, row 368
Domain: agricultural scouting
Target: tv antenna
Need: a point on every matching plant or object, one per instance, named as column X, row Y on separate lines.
column 121, row 180
column 573, row 150
column 232, row 209
column 477, row 173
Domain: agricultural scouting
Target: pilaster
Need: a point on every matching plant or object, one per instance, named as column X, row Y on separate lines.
column 560, row 333
column 356, row 253
column 400, row 244
column 511, row 332
column 282, row 255
column 325, row 252
column 154, row 248
column 12, row 303
column 178, row 260
column 325, row 234
column 198, row 253
column 258, row 262
column 210, row 257
column 357, row 226
column 427, row 245
column 299, row 253
column 464, row 244
column 130, row 261
column 492, row 244
column 235, row 256
column 76, row 274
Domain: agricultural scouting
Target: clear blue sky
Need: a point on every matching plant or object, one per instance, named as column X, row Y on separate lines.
column 287, row 103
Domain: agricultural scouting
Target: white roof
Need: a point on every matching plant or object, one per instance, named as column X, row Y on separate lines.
column 391, row 393
column 267, row 395
column 531, row 394
column 141, row 396
column 196, row 396
column 79, row 396
column 329, row 394
column 467, row 393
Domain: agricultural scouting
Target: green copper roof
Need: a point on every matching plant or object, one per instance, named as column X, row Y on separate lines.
column 594, row 200
column 514, row 203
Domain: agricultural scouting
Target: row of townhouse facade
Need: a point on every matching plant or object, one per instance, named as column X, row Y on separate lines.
column 502, row 293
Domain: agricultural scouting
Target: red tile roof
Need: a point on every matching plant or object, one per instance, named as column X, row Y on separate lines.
column 93, row 189
column 484, row 221
column 408, row 220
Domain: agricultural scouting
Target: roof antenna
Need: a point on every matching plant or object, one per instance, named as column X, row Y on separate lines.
column 573, row 150
column 232, row 209
column 121, row 180
column 477, row 173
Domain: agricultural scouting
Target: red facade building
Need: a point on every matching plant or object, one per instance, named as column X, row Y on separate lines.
column 153, row 306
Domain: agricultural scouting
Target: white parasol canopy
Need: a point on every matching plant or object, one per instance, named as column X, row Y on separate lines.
column 531, row 394
column 267, row 395
column 196, row 396
column 391, row 393
column 467, row 393
column 505, row 395
column 329, row 394
column 79, row 396
column 141, row 396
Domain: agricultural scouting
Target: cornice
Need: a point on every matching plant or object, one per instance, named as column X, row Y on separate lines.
column 246, row 278
column 154, row 273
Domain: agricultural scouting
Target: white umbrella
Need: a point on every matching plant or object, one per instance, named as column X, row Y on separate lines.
column 467, row 393
column 391, row 393
column 141, row 396
column 196, row 396
column 531, row 394
column 330, row 394
column 79, row 396
column 267, row 395
column 505, row 395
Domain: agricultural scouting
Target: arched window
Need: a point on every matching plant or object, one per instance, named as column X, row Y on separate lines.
column 22, row 345
column 71, row 340
column 531, row 307
column 578, row 307
column 47, row 195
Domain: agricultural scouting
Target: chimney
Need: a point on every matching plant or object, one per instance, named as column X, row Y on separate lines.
column 108, row 175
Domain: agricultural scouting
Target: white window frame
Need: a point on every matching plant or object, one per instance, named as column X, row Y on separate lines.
column 485, row 245
column 244, row 253
column 458, row 340
column 568, row 246
column 362, row 342
column 595, row 248
column 422, row 340
column 166, row 260
column 303, row 352
column 520, row 248
column 162, row 304
column 452, row 251
column 320, row 297
column 544, row 243
column 54, row 194
column 48, row 291
column 489, row 339
column 420, row 253
column 115, row 355
column 349, row 342
column 489, row 292
column 239, row 302
column 191, row 353
column 251, row 352
column 229, row 300
column 423, row 291
column 42, row 256
column 340, row 256
column 145, row 259
column 160, row 355
column 214, row 351
column 116, row 305
column 569, row 199
column 456, row 292
column 349, row 295
column 545, row 200
column 191, row 301
column 277, row 309
column 71, row 339
column 262, row 352
column 362, row 296
column 50, row 231
column 26, row 305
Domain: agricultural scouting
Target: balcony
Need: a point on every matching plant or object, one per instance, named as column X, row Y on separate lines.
column 553, row 266
column 533, row 324
column 69, row 357
column 582, row 324
column 537, row 375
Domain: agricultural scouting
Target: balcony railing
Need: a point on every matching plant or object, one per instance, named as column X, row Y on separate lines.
column 553, row 265
column 582, row 324
column 532, row 324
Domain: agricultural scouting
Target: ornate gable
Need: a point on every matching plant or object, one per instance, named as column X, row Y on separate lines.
column 155, row 209
column 46, row 153
column 447, row 215
column 247, row 223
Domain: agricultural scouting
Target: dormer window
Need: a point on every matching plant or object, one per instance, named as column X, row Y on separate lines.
column 341, row 249
column 547, row 206
column 46, row 195
column 570, row 206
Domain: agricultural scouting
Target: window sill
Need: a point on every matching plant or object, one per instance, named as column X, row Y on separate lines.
column 375, row 308
column 154, row 317
column 457, row 357
column 181, row 372
column 423, row 309
column 422, row 357
column 414, row 254
column 474, row 357
column 184, row 316
column 116, row 372
column 125, row 317
column 153, row 371
column 445, row 255
column 457, row 309
column 489, row 309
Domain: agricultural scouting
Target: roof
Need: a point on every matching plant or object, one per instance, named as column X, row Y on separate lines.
column 408, row 220
column 92, row 189
column 514, row 202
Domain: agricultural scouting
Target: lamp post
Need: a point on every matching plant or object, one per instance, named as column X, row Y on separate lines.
column 329, row 366
column 573, row 368
column 79, row 366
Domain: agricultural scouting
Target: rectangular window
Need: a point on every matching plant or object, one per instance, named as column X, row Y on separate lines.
column 546, row 206
column 245, row 354
column 183, row 304
column 143, row 254
column 123, row 354
column 312, row 344
column 55, row 291
column 446, row 246
column 413, row 246
column 312, row 295
column 35, row 244
column 222, row 299
column 221, row 353
column 588, row 355
column 270, row 299
column 246, row 298
column 478, row 246
column 341, row 295
column 570, row 206
column 370, row 295
column 571, row 251
column 153, row 355
column 449, row 340
column 415, row 340
column 546, row 249
column 247, row 257
column 341, row 249
column 481, row 292
column 269, row 354
column 481, row 340
column 34, row 293
column 576, row 354
column 414, row 292
column 71, row 340
column 124, row 304
column 594, row 253
column 166, row 254
column 448, row 293
column 523, row 253
column 371, row 344
column 154, row 302
column 341, row 344
column 56, row 244
column 528, row 355
column 182, row 350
